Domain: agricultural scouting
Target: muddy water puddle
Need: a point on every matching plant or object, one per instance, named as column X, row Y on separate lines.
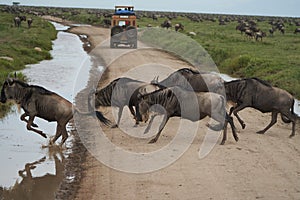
column 27, row 169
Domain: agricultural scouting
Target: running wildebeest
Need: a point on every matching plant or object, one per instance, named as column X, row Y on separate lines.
column 39, row 102
column 190, row 79
column 122, row 92
column 258, row 94
column 182, row 103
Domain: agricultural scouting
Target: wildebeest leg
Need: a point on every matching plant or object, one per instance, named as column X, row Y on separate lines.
column 161, row 127
column 24, row 119
column 235, row 112
column 57, row 134
column 292, row 118
column 273, row 121
column 135, row 113
column 150, row 123
column 224, row 133
column 119, row 118
column 29, row 124
column 64, row 134
column 233, row 129
column 132, row 111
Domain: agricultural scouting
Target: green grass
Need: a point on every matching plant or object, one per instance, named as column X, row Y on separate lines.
column 19, row 44
column 275, row 59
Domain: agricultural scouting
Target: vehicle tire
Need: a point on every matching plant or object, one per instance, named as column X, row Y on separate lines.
column 131, row 32
column 115, row 31
column 134, row 45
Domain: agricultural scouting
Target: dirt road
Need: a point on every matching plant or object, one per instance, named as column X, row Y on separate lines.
column 257, row 167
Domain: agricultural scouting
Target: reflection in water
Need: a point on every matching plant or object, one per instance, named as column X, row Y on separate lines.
column 19, row 146
column 32, row 187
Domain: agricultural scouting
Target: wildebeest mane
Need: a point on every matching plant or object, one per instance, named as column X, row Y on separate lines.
column 189, row 70
column 255, row 78
column 263, row 82
column 40, row 89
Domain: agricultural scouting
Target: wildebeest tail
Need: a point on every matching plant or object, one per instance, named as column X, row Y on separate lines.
column 285, row 119
column 99, row 115
column 103, row 119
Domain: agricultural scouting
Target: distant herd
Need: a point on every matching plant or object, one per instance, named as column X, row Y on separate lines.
column 246, row 24
column 185, row 93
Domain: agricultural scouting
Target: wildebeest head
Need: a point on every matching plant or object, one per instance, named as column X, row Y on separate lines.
column 144, row 107
column 11, row 89
column 6, row 91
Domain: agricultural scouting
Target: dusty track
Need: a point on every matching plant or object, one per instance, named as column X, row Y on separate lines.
column 257, row 167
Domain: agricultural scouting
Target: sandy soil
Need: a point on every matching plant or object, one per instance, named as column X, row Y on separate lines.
column 256, row 167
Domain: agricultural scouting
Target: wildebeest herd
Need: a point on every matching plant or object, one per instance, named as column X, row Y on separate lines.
column 18, row 20
column 185, row 93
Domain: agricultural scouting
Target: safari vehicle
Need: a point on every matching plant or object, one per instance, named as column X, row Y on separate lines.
column 124, row 27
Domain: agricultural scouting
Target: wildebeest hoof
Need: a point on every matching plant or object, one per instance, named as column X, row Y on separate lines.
column 44, row 135
column 243, row 125
column 34, row 125
column 152, row 141
column 114, row 126
column 292, row 135
column 260, row 132
column 236, row 139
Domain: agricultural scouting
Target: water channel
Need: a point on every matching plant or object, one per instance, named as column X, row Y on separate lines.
column 21, row 153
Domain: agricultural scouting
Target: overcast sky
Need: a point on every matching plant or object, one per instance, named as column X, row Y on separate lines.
column 244, row 7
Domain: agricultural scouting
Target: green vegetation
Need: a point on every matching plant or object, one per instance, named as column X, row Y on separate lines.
column 275, row 59
column 17, row 45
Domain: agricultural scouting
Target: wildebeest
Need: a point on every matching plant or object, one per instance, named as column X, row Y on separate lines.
column 39, row 102
column 29, row 22
column 188, row 105
column 258, row 94
column 179, row 26
column 190, row 79
column 249, row 34
column 297, row 30
column 260, row 35
column 122, row 92
column 167, row 24
column 17, row 22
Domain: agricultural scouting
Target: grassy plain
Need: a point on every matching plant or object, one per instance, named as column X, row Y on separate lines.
column 275, row 59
